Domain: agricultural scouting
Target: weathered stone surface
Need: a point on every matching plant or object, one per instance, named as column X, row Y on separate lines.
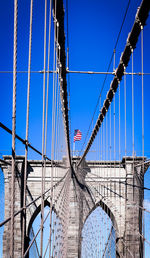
column 108, row 182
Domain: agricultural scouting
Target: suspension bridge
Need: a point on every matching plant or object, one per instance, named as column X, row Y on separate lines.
column 57, row 201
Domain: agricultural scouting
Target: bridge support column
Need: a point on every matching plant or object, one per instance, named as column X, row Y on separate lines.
column 73, row 226
column 133, row 240
column 76, row 213
column 17, row 220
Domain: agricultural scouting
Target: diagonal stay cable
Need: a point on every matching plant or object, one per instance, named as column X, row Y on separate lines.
column 34, row 239
column 104, row 197
column 33, row 201
column 121, row 182
column 36, row 244
column 35, row 236
column 63, row 193
column 22, row 140
column 110, row 189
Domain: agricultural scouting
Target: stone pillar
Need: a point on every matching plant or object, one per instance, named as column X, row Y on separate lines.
column 81, row 205
column 134, row 198
column 73, row 225
column 17, row 220
column 76, row 212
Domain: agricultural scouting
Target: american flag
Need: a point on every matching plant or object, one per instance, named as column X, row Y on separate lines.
column 77, row 135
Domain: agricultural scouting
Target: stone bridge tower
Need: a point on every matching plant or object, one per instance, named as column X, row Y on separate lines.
column 123, row 208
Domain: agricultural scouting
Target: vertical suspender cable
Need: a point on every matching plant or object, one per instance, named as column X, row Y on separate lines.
column 114, row 128
column 55, row 133
column 13, row 131
column 27, row 131
column 142, row 94
column 47, row 93
column 100, row 172
column 132, row 109
column 114, row 148
column 53, row 136
column 43, row 122
column 133, row 120
column 68, row 64
column 114, row 64
column 100, row 133
column 57, row 123
column 110, row 146
column 48, row 64
column 119, row 161
column 142, row 131
column 67, row 37
column 119, row 125
column 110, row 133
column 104, row 151
column 125, row 136
column 125, row 115
column 107, row 220
column 133, row 210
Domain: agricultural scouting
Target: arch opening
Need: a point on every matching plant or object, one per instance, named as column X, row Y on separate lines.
column 54, row 248
column 98, row 235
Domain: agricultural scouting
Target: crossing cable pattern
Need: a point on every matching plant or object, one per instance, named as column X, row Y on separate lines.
column 30, row 203
column 59, row 196
column 117, row 189
column 64, row 195
column 106, row 184
column 104, row 195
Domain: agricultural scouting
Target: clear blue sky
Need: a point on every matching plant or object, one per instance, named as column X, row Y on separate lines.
column 93, row 29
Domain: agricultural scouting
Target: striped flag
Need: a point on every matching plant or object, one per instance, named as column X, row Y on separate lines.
column 77, row 135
